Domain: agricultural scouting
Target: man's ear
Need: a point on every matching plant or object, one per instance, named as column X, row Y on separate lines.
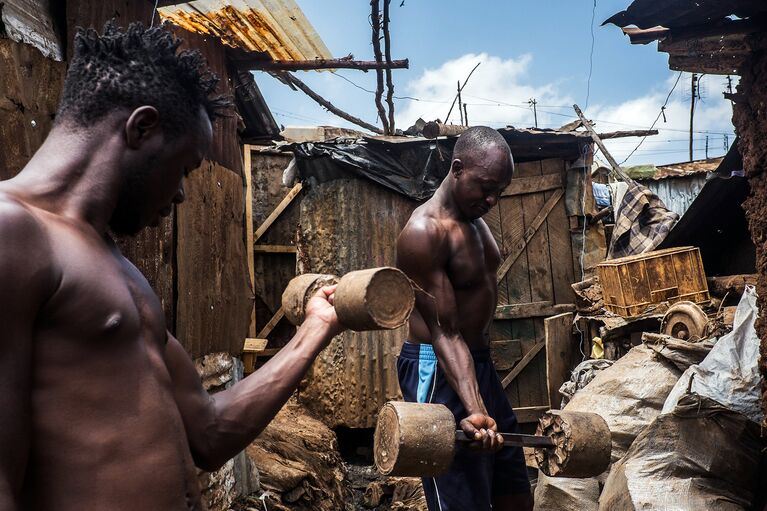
column 143, row 123
column 456, row 167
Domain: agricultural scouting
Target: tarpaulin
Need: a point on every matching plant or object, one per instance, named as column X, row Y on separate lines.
column 414, row 169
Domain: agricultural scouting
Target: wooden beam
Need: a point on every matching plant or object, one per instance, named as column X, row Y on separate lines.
column 271, row 324
column 735, row 284
column 529, row 356
column 249, row 361
column 532, row 310
column 293, row 81
column 534, row 226
column 624, row 134
column 258, row 64
column 533, row 184
column 614, row 164
column 254, row 345
column 274, row 249
column 560, row 351
column 436, row 129
column 277, row 212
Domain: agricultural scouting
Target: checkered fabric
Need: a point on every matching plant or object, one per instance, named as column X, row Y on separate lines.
column 641, row 223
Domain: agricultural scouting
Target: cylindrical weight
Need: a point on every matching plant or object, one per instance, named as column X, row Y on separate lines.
column 413, row 439
column 299, row 291
column 374, row 299
column 582, row 444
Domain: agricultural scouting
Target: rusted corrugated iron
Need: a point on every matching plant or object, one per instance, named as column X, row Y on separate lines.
column 276, row 27
column 685, row 13
column 31, row 22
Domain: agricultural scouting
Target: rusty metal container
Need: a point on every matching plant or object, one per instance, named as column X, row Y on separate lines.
column 631, row 284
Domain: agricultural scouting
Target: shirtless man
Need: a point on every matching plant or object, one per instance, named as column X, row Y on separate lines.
column 100, row 407
column 448, row 250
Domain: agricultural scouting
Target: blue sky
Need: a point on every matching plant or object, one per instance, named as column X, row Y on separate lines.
column 527, row 50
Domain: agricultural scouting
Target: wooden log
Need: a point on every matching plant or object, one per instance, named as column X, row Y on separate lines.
column 300, row 290
column 532, row 310
column 412, row 439
column 583, row 444
column 374, row 299
column 303, row 65
column 436, row 129
column 734, row 284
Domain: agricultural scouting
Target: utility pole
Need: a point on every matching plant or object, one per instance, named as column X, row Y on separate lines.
column 726, row 142
column 693, row 90
column 533, row 104
column 707, row 147
column 460, row 104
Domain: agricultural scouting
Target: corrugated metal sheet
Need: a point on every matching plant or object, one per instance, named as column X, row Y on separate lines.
column 684, row 169
column 345, row 225
column 276, row 27
column 679, row 193
column 684, row 13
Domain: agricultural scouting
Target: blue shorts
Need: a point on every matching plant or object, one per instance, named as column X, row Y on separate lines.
column 474, row 478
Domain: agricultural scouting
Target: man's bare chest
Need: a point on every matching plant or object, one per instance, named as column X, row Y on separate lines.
column 101, row 297
column 472, row 262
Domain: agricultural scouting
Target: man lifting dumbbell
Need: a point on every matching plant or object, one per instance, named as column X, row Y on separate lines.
column 447, row 249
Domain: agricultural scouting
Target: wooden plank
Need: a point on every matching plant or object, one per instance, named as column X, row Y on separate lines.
column 248, row 171
column 277, row 211
column 525, row 185
column 271, row 324
column 252, row 344
column 529, row 233
column 614, row 164
column 560, row 245
column 505, row 353
column 248, row 359
column 493, row 221
column 527, row 414
column 532, row 310
column 541, row 288
column 560, row 350
column 274, row 249
column 530, row 355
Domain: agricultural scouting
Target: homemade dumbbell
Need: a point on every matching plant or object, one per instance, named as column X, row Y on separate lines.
column 372, row 299
column 418, row 440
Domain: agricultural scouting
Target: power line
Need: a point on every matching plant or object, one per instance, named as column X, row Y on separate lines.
column 591, row 55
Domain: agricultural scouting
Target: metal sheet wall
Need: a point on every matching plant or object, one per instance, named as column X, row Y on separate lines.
column 350, row 224
column 679, row 192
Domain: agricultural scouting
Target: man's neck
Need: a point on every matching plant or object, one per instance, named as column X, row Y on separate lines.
column 74, row 175
column 444, row 200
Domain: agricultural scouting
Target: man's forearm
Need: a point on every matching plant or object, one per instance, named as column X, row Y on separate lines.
column 457, row 363
column 245, row 409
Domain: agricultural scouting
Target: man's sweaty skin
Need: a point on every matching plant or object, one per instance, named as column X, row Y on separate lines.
column 449, row 251
column 102, row 409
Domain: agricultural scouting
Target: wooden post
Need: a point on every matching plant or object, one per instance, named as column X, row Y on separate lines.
column 598, row 141
column 559, row 354
column 248, row 359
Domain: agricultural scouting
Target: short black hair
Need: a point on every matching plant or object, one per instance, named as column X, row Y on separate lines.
column 476, row 139
column 136, row 67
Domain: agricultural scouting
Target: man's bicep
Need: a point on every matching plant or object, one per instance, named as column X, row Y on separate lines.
column 422, row 257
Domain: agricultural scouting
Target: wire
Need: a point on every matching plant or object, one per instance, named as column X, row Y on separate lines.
column 591, row 55
column 662, row 109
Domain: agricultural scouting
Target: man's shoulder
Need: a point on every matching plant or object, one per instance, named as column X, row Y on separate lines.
column 20, row 229
column 424, row 227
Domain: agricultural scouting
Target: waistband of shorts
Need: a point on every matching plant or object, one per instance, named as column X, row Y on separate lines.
column 417, row 351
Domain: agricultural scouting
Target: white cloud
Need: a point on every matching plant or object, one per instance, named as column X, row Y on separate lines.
column 499, row 89
column 496, row 93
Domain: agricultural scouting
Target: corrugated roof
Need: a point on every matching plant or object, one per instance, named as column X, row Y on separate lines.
column 685, row 13
column 684, row 169
column 275, row 27
column 705, row 36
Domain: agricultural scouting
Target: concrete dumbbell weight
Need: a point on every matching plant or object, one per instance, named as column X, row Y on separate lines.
column 418, row 440
column 371, row 299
